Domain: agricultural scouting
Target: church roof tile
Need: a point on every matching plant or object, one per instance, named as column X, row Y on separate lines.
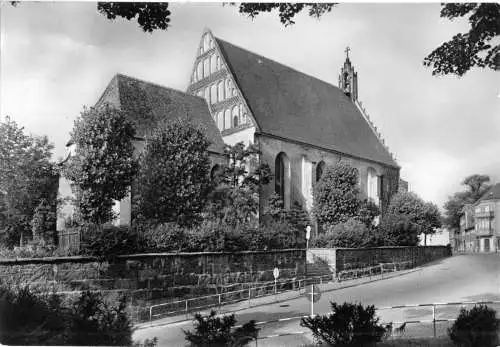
column 149, row 104
column 290, row 104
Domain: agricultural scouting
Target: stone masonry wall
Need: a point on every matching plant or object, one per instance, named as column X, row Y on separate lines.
column 333, row 261
column 151, row 278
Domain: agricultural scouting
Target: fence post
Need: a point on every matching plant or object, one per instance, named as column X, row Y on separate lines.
column 186, row 307
column 219, row 301
column 434, row 319
column 249, row 295
column 151, row 314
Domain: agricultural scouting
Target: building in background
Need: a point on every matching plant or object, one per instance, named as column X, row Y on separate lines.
column 440, row 238
column 480, row 224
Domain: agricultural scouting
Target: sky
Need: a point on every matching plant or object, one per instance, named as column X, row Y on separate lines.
column 57, row 57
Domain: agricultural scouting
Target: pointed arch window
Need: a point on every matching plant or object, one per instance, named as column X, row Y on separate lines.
column 220, row 120
column 218, row 63
column 281, row 181
column 206, row 67
column 213, row 63
column 227, row 119
column 206, row 42
column 220, row 90
column 199, row 70
column 207, row 94
column 213, row 93
column 236, row 116
column 228, row 88
column 320, row 168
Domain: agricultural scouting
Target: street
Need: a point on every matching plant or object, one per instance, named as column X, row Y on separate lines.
column 471, row 277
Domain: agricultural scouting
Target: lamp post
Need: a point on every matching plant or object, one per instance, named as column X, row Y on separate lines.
column 308, row 236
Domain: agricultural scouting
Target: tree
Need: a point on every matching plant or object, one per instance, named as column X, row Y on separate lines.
column 408, row 216
column 216, row 331
column 27, row 176
column 475, row 48
column 476, row 186
column 173, row 182
column 431, row 220
column 103, row 165
column 286, row 11
column 235, row 199
column 150, row 15
column 336, row 195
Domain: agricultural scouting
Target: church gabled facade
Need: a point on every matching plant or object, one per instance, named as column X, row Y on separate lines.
column 299, row 123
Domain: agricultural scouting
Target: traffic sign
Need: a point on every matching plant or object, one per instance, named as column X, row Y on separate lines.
column 276, row 273
column 313, row 293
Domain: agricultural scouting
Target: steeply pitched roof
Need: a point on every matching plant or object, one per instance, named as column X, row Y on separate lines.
column 491, row 194
column 149, row 104
column 293, row 105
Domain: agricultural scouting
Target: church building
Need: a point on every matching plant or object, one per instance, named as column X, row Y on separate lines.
column 299, row 123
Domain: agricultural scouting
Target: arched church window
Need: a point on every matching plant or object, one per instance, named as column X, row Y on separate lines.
column 207, row 94
column 227, row 119
column 206, row 42
column 320, row 168
column 213, row 63
column 346, row 81
column 372, row 185
column 280, row 179
column 213, row 93
column 206, row 67
column 235, row 121
column 236, row 114
column 215, row 172
column 220, row 90
column 220, row 120
column 228, row 88
column 218, row 63
column 199, row 70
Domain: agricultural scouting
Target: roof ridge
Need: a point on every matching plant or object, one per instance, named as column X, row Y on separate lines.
column 277, row 62
column 119, row 74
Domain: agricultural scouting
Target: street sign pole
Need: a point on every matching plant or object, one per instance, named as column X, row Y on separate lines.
column 276, row 273
column 308, row 236
column 312, row 300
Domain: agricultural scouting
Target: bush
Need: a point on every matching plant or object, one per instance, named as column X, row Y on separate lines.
column 351, row 234
column 30, row 318
column 216, row 331
column 475, row 327
column 166, row 237
column 347, row 325
column 109, row 241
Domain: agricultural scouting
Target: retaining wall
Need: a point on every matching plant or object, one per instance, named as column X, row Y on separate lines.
column 150, row 278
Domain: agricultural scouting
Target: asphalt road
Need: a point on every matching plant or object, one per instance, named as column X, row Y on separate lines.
column 472, row 277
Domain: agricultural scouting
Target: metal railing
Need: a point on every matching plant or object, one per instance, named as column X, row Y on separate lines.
column 370, row 271
column 204, row 302
column 267, row 289
column 434, row 320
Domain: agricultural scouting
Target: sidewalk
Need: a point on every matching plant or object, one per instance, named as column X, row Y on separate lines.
column 273, row 299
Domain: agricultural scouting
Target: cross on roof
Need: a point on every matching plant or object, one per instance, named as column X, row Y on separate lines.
column 347, row 51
